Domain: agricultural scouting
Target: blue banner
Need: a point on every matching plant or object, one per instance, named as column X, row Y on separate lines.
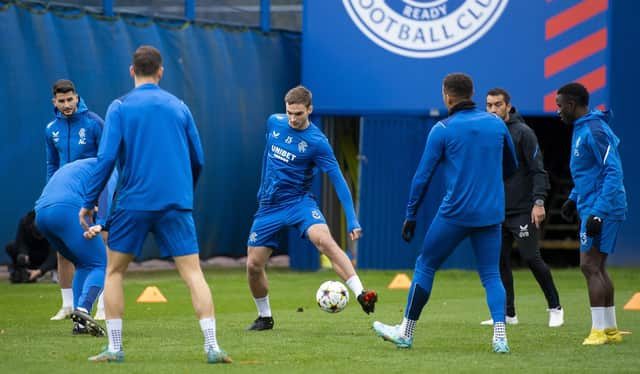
column 390, row 56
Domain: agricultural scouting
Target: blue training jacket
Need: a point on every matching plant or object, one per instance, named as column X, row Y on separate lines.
column 72, row 138
column 152, row 136
column 68, row 187
column 475, row 150
column 291, row 159
column 596, row 168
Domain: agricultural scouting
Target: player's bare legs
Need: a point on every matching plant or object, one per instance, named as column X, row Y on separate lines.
column 191, row 272
column 321, row 237
column 599, row 285
column 117, row 264
column 604, row 328
column 257, row 258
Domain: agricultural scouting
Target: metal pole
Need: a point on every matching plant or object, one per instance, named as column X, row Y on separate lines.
column 265, row 15
column 107, row 8
column 190, row 9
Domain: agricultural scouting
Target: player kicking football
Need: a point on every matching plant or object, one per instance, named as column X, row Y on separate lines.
column 295, row 149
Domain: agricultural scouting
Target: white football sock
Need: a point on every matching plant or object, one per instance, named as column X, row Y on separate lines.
column 101, row 302
column 208, row 327
column 262, row 303
column 67, row 297
column 355, row 285
column 610, row 317
column 114, row 331
column 597, row 317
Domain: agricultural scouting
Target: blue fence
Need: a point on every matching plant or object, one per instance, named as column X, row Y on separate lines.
column 232, row 80
column 391, row 148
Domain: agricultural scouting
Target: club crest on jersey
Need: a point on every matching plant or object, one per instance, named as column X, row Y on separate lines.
column 316, row 214
column 424, row 28
column 83, row 136
column 524, row 231
column 302, row 146
column 253, row 237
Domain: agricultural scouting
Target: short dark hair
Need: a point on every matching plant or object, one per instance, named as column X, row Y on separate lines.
column 146, row 61
column 63, row 86
column 576, row 92
column 458, row 85
column 298, row 95
column 497, row 91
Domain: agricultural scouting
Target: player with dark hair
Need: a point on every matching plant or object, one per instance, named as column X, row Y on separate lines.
column 154, row 139
column 74, row 134
column 295, row 149
column 525, row 193
column 599, row 199
column 474, row 149
column 56, row 217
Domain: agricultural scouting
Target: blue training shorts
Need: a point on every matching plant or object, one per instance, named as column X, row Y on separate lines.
column 59, row 224
column 268, row 220
column 174, row 231
column 605, row 242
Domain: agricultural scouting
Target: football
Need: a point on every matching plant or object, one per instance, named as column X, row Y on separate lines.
column 332, row 296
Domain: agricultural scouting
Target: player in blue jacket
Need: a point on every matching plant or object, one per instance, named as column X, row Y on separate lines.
column 152, row 136
column 295, row 150
column 56, row 218
column 475, row 151
column 74, row 134
column 599, row 199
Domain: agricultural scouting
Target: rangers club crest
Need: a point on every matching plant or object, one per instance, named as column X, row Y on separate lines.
column 424, row 28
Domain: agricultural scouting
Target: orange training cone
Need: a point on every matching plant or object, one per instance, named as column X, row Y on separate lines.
column 633, row 303
column 400, row 282
column 151, row 294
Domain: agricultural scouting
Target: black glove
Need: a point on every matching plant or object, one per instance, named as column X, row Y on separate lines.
column 568, row 210
column 408, row 229
column 594, row 226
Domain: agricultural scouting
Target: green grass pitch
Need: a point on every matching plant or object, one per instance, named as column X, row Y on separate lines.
column 165, row 338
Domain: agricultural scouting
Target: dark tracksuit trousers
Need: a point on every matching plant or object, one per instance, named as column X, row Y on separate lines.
column 520, row 228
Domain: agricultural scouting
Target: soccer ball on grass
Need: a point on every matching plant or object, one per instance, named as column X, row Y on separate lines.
column 332, row 296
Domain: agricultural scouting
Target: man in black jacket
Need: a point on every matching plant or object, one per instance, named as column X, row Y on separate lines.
column 31, row 255
column 525, row 193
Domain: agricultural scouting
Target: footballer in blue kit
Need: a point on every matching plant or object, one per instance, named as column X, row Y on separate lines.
column 599, row 199
column 295, row 150
column 56, row 218
column 152, row 137
column 475, row 151
column 74, row 134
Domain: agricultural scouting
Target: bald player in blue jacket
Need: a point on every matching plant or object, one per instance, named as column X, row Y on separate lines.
column 475, row 151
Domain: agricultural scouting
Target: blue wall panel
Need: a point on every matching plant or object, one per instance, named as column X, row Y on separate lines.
column 624, row 101
column 232, row 80
column 391, row 148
